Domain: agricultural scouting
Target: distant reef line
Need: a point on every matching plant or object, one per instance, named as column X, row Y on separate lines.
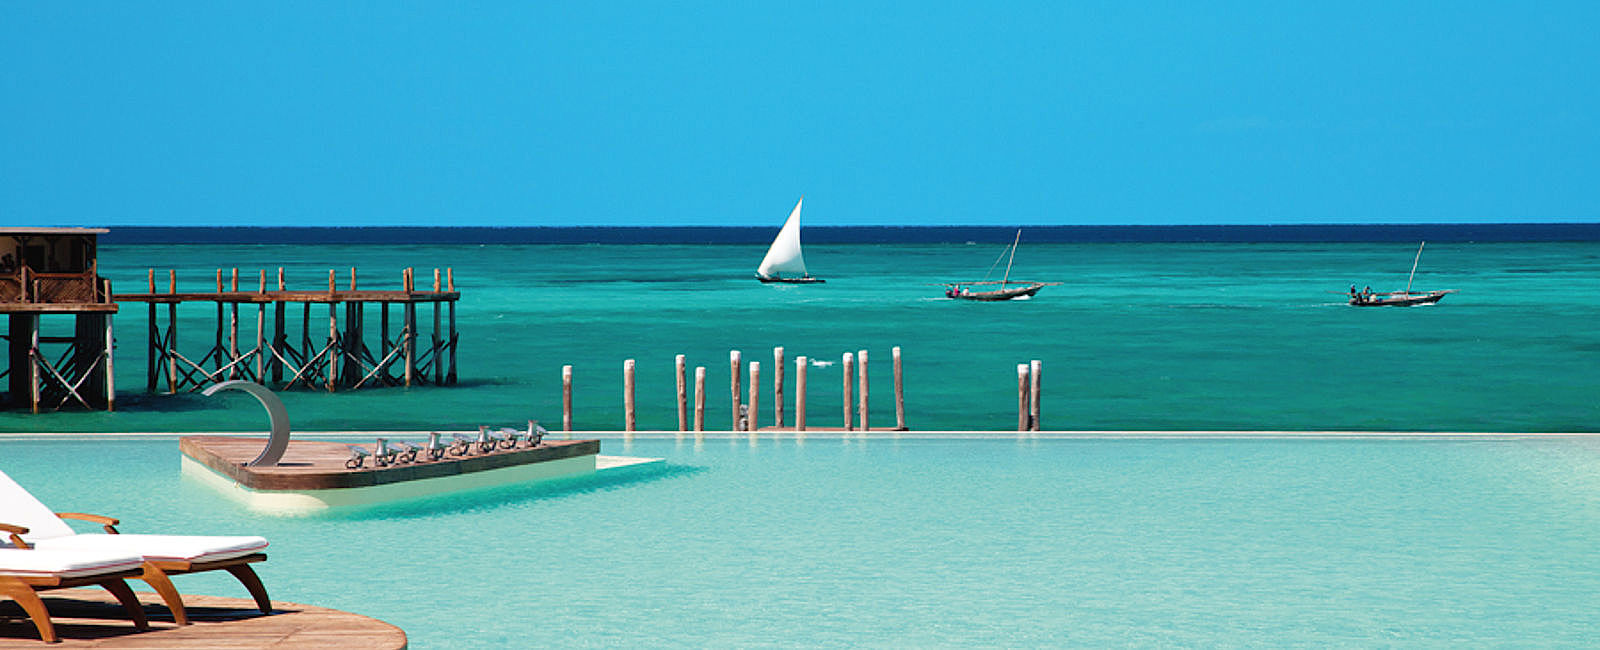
column 1288, row 233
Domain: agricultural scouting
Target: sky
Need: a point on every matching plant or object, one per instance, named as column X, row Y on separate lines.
column 725, row 113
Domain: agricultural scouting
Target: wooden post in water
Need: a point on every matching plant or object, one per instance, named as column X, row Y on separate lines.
column 566, row 399
column 437, row 358
column 33, row 364
column 111, row 346
column 800, row 393
column 849, row 389
column 753, row 415
column 777, row 386
column 627, row 395
column 408, row 333
column 280, row 338
column 899, row 393
column 152, row 351
column 172, row 333
column 455, row 337
column 333, row 341
column 699, row 399
column 683, row 404
column 1022, row 397
column 1035, row 370
column 861, row 361
column 261, row 333
column 735, row 364
column 233, row 330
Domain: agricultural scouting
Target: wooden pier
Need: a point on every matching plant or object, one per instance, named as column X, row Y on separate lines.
column 92, row 618
column 329, row 353
column 47, row 275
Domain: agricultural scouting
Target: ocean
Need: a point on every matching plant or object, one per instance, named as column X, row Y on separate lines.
column 911, row 541
column 1151, row 328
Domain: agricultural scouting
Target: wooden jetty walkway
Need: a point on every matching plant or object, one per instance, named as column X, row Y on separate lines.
column 92, row 618
column 327, row 354
column 51, row 274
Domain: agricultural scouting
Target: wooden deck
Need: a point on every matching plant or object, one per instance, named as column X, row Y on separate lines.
column 312, row 465
column 267, row 297
column 91, row 618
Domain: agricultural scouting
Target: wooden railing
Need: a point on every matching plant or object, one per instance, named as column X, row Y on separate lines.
column 54, row 288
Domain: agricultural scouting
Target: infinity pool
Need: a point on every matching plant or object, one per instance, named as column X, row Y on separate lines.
column 919, row 542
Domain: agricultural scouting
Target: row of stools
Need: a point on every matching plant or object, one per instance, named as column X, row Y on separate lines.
column 386, row 453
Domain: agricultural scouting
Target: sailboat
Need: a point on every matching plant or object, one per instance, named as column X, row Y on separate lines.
column 1367, row 298
column 963, row 290
column 783, row 262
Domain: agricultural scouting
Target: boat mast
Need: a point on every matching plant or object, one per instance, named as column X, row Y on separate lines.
column 1007, row 278
column 1414, row 267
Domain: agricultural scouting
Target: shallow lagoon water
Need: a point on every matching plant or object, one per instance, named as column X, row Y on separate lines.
column 919, row 542
column 1174, row 336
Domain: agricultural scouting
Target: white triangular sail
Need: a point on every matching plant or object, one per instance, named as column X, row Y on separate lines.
column 783, row 258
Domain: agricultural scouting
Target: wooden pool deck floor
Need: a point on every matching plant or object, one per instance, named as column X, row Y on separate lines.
column 91, row 618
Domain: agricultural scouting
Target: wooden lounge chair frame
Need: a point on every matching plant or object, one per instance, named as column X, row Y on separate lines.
column 25, row 590
column 157, row 573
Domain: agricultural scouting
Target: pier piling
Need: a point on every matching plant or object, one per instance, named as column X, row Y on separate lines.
column 683, row 405
column 627, row 395
column 777, row 387
column 849, row 392
column 1022, row 397
column 753, row 415
column 861, row 367
column 699, row 399
column 800, row 393
column 566, row 398
column 1035, row 370
column 737, row 367
column 899, row 393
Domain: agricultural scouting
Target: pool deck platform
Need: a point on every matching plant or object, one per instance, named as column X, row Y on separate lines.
column 91, row 618
column 315, row 465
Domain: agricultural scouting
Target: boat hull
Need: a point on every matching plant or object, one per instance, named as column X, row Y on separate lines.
column 1002, row 294
column 1403, row 301
column 805, row 280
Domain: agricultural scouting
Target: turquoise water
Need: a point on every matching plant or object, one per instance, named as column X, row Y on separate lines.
column 936, row 543
column 1142, row 336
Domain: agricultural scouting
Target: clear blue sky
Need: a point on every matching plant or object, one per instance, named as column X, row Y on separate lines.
column 701, row 113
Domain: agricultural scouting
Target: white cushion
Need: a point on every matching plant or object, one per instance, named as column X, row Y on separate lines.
column 185, row 548
column 64, row 564
column 19, row 508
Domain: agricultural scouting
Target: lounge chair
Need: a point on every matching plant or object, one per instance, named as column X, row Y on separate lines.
column 164, row 555
column 24, row 573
